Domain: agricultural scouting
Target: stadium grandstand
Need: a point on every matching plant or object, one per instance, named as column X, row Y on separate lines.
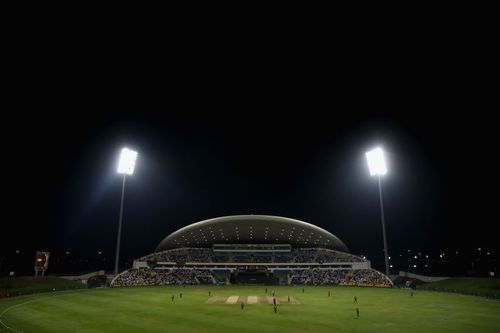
column 251, row 249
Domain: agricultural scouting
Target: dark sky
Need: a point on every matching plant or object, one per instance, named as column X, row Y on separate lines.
column 250, row 131
column 298, row 164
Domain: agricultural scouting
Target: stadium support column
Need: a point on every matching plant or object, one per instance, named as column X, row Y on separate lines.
column 117, row 258
column 386, row 254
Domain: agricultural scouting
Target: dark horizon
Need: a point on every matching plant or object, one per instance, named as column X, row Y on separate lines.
column 192, row 167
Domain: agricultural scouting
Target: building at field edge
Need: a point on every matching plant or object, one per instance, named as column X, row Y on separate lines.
column 252, row 249
column 251, row 229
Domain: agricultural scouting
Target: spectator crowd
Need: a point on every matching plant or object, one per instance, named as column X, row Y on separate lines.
column 345, row 277
column 155, row 277
column 316, row 276
column 206, row 255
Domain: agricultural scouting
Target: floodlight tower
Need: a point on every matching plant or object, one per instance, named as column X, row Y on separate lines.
column 126, row 166
column 376, row 164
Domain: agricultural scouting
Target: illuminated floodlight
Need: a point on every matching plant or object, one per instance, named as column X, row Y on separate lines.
column 127, row 161
column 126, row 166
column 376, row 162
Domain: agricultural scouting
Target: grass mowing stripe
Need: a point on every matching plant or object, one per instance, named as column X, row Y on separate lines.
column 151, row 310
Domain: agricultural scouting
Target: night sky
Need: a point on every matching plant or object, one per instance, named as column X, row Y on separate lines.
column 248, row 131
column 193, row 166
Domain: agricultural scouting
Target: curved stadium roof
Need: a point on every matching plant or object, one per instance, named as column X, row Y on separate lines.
column 251, row 229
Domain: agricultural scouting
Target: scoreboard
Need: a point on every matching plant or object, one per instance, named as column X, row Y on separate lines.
column 41, row 261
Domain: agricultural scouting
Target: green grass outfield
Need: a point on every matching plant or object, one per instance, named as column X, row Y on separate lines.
column 487, row 287
column 14, row 286
column 150, row 309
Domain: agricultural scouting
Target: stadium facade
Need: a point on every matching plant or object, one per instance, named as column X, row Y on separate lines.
column 251, row 229
column 251, row 249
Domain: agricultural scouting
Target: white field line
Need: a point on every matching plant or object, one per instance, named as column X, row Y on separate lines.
column 30, row 301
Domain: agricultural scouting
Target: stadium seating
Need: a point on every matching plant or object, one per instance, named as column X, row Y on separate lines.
column 300, row 255
column 347, row 277
column 309, row 266
column 148, row 277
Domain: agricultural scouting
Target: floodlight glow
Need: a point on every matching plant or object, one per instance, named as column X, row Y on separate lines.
column 127, row 161
column 376, row 162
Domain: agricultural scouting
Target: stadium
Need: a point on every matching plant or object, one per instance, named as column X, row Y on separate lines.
column 246, row 273
column 252, row 249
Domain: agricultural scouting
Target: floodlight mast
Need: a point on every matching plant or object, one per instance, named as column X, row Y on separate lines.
column 376, row 164
column 383, row 226
column 126, row 167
